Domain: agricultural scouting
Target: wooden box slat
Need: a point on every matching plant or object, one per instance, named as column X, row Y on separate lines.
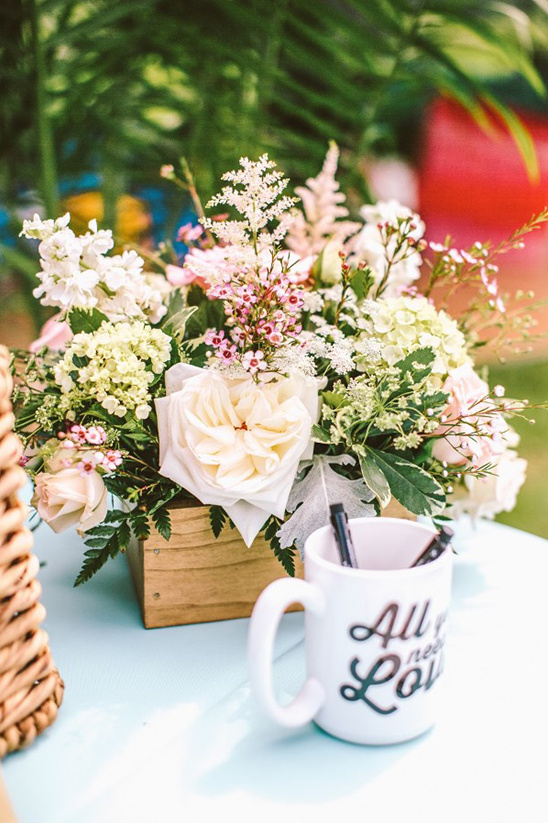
column 195, row 577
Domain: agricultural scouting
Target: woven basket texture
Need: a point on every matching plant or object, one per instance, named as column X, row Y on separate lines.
column 31, row 689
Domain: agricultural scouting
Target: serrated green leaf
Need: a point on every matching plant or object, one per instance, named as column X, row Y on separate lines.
column 286, row 558
column 95, row 559
column 82, row 320
column 96, row 542
column 217, row 519
column 101, row 531
column 162, row 521
column 411, row 486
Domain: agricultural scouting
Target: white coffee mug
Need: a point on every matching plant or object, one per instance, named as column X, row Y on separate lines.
column 374, row 635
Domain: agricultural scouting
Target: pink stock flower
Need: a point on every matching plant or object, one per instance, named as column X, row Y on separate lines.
column 177, row 276
column 55, row 334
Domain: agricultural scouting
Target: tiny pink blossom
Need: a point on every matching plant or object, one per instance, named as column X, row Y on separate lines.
column 86, row 466
column 253, row 361
column 77, row 433
column 96, row 435
column 226, row 352
column 214, row 337
column 275, row 337
column 220, row 292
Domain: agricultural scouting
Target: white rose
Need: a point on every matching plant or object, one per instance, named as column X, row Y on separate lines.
column 70, row 498
column 494, row 493
column 235, row 443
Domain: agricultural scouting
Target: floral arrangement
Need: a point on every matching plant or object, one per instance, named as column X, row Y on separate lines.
column 291, row 359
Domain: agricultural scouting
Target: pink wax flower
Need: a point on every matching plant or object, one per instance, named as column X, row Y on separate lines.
column 214, row 337
column 253, row 361
column 226, row 352
column 95, row 435
column 473, row 429
column 55, row 334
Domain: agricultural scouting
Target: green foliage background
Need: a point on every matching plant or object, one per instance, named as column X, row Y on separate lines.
column 122, row 87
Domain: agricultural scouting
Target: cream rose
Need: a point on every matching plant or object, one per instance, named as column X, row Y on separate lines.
column 480, row 436
column 69, row 498
column 235, row 443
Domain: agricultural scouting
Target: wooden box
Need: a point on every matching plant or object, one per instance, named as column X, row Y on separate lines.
column 195, row 577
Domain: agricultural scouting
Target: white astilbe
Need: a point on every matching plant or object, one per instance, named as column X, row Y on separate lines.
column 257, row 194
column 313, row 494
column 323, row 211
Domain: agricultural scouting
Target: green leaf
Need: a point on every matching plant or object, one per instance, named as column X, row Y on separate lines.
column 95, row 559
column 361, row 283
column 217, row 519
column 139, row 525
column 286, row 557
column 82, row 320
column 162, row 521
column 334, row 399
column 177, row 323
column 320, row 434
column 411, row 486
column 375, row 479
column 418, row 364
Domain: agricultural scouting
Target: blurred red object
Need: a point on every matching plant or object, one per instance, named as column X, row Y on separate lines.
column 474, row 186
column 476, row 177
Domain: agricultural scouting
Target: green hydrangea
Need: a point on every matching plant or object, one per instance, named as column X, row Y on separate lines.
column 115, row 366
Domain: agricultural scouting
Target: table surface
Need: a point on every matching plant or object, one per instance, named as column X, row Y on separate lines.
column 159, row 726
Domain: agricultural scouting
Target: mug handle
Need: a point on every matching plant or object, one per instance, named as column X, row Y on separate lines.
column 265, row 619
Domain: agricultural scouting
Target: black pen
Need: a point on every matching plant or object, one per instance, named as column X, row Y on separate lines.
column 435, row 547
column 343, row 539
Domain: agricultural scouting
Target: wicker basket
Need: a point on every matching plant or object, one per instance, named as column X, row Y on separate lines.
column 31, row 689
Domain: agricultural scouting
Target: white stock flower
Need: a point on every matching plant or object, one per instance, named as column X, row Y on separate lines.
column 69, row 498
column 235, row 443
column 76, row 273
column 368, row 246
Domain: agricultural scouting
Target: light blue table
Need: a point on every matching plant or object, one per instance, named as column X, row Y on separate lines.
column 158, row 726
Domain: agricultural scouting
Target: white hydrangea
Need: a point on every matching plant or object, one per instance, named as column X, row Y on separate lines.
column 403, row 324
column 123, row 360
column 368, row 246
column 76, row 273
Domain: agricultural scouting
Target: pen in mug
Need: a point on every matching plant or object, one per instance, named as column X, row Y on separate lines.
column 435, row 547
column 343, row 538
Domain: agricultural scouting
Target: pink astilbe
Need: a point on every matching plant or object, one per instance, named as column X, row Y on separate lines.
column 323, row 211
